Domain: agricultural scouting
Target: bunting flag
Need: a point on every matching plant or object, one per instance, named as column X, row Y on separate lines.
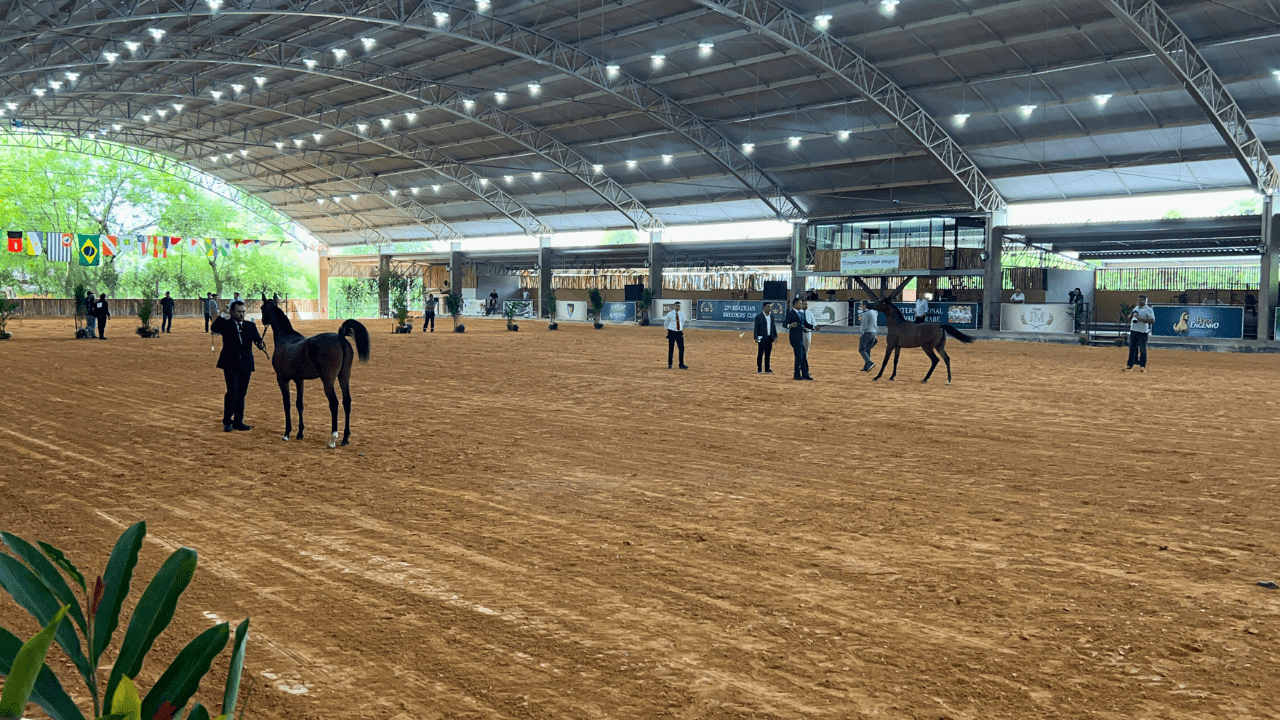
column 32, row 244
column 54, row 249
column 15, row 241
column 141, row 242
column 210, row 248
column 159, row 246
column 175, row 241
column 109, row 245
column 89, row 250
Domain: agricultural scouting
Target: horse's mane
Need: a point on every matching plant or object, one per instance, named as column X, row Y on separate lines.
column 279, row 320
column 896, row 312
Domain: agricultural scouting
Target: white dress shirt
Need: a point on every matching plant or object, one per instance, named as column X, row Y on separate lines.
column 1018, row 297
column 676, row 317
column 1143, row 318
column 922, row 307
column 809, row 318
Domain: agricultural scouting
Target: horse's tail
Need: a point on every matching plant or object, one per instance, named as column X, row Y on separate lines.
column 353, row 328
column 948, row 329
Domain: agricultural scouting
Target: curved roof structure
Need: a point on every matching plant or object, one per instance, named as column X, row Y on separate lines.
column 373, row 121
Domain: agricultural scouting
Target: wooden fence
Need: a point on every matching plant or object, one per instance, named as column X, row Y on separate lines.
column 126, row 307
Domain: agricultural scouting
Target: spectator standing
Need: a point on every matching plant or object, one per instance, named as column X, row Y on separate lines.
column 210, row 310
column 867, row 336
column 766, row 332
column 429, row 313
column 675, row 321
column 90, row 320
column 795, row 322
column 102, row 311
column 922, row 308
column 1140, row 322
column 166, row 313
column 492, row 307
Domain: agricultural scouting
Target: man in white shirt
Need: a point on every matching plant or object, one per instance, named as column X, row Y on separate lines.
column 675, row 322
column 867, row 338
column 811, row 324
column 922, row 307
column 1017, row 296
column 1140, row 323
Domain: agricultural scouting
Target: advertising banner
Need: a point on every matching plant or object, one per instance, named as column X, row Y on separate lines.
column 523, row 308
column 880, row 262
column 960, row 315
column 1037, row 318
column 572, row 310
column 829, row 313
column 735, row 310
column 618, row 312
column 471, row 307
column 662, row 306
column 1203, row 321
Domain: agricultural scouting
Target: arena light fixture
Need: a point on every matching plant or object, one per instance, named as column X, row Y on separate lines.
column 794, row 141
column 705, row 47
column 117, row 127
column 244, row 152
column 355, row 197
column 435, row 188
column 961, row 118
column 39, row 92
column 213, row 158
column 368, row 43
column 318, row 136
column 177, row 107
column 385, row 122
column 468, row 103
column 217, row 94
column 393, row 192
column 132, row 46
column 310, row 63
column 55, row 84
column 237, row 87
column 822, row 22
column 482, row 5
column 215, row 4
column 889, row 6
column 259, row 80
column 537, row 175
column 414, row 190
column 162, row 113
column 658, row 59
column 612, row 70
column 442, row 18
column 842, row 135
column 666, row 159
column 111, row 56
column 500, row 96
column 146, row 118
column 73, row 76
column 297, row 142
column 631, row 164
column 279, row 145
column 1102, row 99
column 362, row 126
column 1276, row 73
column 155, row 33
column 339, row 53
column 748, row 147
column 1027, row 110
column 227, row 155
column 319, row 201
column 411, row 116
column 597, row 168
column 508, row 178
column 535, row 88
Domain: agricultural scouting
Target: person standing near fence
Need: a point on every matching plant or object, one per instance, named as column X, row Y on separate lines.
column 239, row 336
column 922, row 308
column 103, row 311
column 90, row 320
column 766, row 332
column 795, row 323
column 1140, row 322
column 675, row 323
column 210, row 310
column 429, row 313
column 867, row 338
column 166, row 313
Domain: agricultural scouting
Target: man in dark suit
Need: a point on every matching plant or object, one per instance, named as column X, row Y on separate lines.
column 238, row 338
column 796, row 324
column 766, row 332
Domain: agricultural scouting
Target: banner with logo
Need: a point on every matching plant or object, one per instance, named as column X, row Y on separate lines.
column 618, row 312
column 473, row 307
column 1037, row 318
column 960, row 315
column 572, row 309
column 733, row 310
column 880, row 262
column 1205, row 321
column 662, row 306
column 523, row 308
column 829, row 313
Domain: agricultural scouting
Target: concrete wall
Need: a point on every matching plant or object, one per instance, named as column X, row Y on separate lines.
column 1062, row 282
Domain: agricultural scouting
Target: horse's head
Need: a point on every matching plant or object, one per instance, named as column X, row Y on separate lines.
column 269, row 310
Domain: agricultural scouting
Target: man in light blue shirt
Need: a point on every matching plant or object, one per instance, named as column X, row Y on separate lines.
column 1140, row 323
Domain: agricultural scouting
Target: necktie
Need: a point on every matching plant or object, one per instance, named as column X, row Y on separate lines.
column 677, row 321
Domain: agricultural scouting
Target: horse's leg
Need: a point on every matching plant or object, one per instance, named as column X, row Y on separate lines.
column 897, row 352
column 947, row 358
column 932, row 357
column 345, row 379
column 298, row 384
column 288, row 419
column 888, row 348
column 333, row 409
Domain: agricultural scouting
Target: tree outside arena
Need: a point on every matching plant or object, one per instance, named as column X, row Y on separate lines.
column 66, row 191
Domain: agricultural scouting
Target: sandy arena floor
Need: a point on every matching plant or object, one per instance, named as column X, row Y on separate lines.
column 554, row 525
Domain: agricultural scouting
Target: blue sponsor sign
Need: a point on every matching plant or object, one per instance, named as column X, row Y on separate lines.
column 959, row 315
column 618, row 312
column 736, row 310
column 1205, row 321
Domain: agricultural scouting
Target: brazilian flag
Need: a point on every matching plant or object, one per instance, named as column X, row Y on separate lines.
column 89, row 250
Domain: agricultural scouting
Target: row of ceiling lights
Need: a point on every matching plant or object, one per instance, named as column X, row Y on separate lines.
column 1028, row 110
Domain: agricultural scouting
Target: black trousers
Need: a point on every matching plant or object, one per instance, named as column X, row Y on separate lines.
column 166, row 322
column 1138, row 348
column 102, row 327
column 233, row 401
column 763, row 352
column 429, row 319
column 206, row 323
column 866, row 341
column 802, row 358
column 674, row 338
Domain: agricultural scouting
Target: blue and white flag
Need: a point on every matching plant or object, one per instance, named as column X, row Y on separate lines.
column 54, row 247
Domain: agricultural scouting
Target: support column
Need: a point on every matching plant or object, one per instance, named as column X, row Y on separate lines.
column 545, row 271
column 324, row 283
column 384, row 285
column 797, row 262
column 655, row 263
column 1267, row 293
column 992, row 280
column 455, row 268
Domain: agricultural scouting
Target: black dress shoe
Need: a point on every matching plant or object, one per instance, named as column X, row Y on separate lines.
column 684, row 367
column 808, row 378
column 768, row 372
column 241, row 426
column 226, row 427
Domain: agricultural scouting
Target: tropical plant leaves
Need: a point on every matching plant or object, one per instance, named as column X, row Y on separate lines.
column 152, row 615
column 47, row 691
column 125, row 700
column 116, row 586
column 25, row 669
column 237, row 667
column 34, row 597
column 61, row 561
column 181, row 680
column 49, row 574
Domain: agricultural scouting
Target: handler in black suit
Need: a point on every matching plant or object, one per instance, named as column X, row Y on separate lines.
column 238, row 338
column 102, row 311
column 796, row 324
column 766, row 333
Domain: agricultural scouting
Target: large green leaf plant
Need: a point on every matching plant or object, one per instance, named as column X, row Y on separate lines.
column 34, row 578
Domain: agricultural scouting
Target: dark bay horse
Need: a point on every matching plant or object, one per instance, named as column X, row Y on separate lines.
column 902, row 334
column 326, row 357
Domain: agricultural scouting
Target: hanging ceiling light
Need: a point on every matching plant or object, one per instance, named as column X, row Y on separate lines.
column 442, row 18
column 368, row 43
column 435, row 188
column 822, row 21
column 794, row 140
column 500, row 96
column 842, row 135
column 889, row 6
column 1027, row 110
column 310, row 63
column 132, row 46
column 666, row 159
column 961, row 118
column 259, row 80
column 73, row 76
column 339, row 53
column 317, row 136
column 217, row 94
column 612, row 70
column 1102, row 99
column 748, row 147
column 705, row 47
column 537, row 175
column 362, row 126
column 631, row 164
column 535, row 88
column 111, row 56
column 385, row 122
column 237, row 87
column 658, row 59
column 215, row 4
column 156, row 33
column 411, row 116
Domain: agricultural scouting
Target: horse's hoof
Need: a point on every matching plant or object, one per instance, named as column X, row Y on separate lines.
column 299, row 436
column 875, row 379
column 924, row 381
column 948, row 382
column 333, row 441
column 346, row 443
column 285, row 438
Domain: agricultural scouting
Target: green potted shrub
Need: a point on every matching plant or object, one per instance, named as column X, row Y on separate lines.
column 549, row 301
column 453, row 303
column 8, row 308
column 401, row 307
column 597, row 306
column 510, row 314
column 646, row 302
column 145, row 309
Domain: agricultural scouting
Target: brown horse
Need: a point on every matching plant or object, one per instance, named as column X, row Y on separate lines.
column 929, row 336
column 326, row 357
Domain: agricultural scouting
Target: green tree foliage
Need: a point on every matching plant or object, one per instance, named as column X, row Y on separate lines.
column 66, row 191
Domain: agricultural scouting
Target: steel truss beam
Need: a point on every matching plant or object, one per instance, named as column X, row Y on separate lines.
column 474, row 27
column 789, row 28
column 1158, row 32
column 149, row 160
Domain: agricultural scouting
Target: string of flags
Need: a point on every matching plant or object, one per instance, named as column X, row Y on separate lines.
column 89, row 250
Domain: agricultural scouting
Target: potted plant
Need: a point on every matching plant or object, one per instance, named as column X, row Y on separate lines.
column 510, row 314
column 8, row 308
column 145, row 308
column 453, row 303
column 401, row 307
column 549, row 300
column 646, row 302
column 597, row 306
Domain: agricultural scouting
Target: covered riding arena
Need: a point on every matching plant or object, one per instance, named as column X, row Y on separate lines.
column 553, row 524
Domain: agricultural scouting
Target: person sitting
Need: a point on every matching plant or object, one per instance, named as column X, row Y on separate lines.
column 813, row 295
column 1017, row 296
